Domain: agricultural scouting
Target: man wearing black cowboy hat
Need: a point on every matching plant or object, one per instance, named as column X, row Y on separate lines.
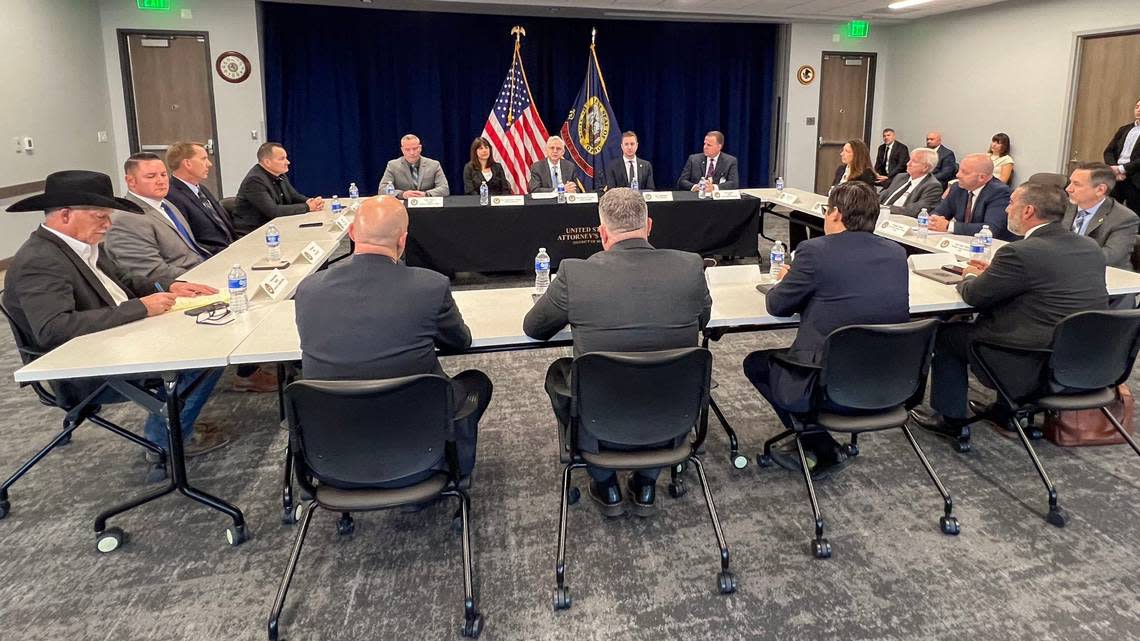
column 60, row 286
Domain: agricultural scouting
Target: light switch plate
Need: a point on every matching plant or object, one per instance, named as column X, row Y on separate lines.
column 101, row 136
column 187, row 14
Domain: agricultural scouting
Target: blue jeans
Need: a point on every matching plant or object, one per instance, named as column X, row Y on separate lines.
column 155, row 428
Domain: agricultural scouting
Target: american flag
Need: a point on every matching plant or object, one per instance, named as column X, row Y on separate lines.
column 514, row 128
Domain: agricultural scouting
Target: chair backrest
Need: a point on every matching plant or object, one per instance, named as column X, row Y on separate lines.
column 1093, row 350
column 229, row 204
column 1060, row 181
column 877, row 367
column 358, row 434
column 24, row 343
column 640, row 398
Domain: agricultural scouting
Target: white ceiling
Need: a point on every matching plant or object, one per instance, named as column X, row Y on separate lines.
column 729, row 10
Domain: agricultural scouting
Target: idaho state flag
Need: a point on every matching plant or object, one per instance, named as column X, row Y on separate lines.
column 591, row 132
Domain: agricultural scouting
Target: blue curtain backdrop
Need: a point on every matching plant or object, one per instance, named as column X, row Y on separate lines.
column 343, row 84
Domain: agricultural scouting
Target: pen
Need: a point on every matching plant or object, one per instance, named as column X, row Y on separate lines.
column 158, row 288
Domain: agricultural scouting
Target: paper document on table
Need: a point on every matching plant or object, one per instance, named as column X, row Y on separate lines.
column 190, row 302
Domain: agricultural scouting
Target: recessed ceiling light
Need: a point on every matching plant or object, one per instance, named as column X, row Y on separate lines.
column 906, row 4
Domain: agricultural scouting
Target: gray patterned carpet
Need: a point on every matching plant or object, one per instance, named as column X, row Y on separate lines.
column 893, row 576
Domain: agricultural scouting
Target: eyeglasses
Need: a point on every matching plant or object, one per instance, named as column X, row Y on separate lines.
column 221, row 316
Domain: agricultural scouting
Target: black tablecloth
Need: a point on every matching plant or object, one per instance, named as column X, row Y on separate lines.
column 464, row 236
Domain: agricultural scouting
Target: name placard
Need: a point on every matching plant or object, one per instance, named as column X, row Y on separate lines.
column 726, row 194
column 952, row 246
column 891, row 228
column 582, row 198
column 658, row 196
column 342, row 222
column 425, row 201
column 273, row 284
column 312, row 252
column 786, row 198
column 505, row 201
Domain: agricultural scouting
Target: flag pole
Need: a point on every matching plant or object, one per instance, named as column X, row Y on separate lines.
column 518, row 32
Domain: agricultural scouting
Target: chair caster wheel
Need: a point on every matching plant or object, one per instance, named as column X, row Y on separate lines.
column 236, row 535
column 573, row 496
column 473, row 626
column 764, row 460
column 291, row 514
column 64, row 441
column 110, row 540
column 739, row 461
column 821, row 548
column 345, row 526
column 677, row 489
column 5, row 509
column 852, row 450
column 726, row 582
column 1057, row 517
column 949, row 525
column 963, row 446
column 562, row 600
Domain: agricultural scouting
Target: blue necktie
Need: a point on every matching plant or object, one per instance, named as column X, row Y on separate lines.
column 1079, row 223
column 182, row 231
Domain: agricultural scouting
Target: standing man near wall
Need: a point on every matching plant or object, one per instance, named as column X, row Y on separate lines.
column 1123, row 155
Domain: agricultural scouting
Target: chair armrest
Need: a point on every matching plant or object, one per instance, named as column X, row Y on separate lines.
column 1010, row 349
column 788, row 361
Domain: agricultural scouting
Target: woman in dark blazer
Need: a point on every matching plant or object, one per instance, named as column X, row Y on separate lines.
column 483, row 168
column 856, row 164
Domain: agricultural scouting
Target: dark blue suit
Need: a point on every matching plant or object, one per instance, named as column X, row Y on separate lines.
column 947, row 165
column 989, row 209
column 212, row 227
column 836, row 280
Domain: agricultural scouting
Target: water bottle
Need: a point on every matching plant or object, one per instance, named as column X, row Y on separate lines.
column 353, row 192
column 541, row 271
column 988, row 237
column 236, row 282
column 561, row 193
column 780, row 184
column 923, row 224
column 337, row 208
column 978, row 248
column 633, row 182
column 776, row 259
column 702, row 188
column 484, row 194
column 389, row 190
column 273, row 242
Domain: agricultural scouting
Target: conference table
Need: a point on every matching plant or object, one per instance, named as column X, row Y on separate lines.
column 464, row 236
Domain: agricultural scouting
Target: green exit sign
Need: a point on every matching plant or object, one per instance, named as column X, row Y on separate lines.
column 153, row 5
column 854, row 29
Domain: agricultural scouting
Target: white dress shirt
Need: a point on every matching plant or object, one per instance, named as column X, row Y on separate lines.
column 973, row 202
column 555, row 172
column 89, row 254
column 625, row 161
column 192, row 186
column 907, row 189
column 1129, row 146
column 1033, row 229
column 1091, row 213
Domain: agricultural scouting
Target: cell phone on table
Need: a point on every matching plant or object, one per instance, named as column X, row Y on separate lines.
column 954, row 269
column 312, row 224
column 206, row 309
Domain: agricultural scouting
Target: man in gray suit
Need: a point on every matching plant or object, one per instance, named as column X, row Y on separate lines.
column 1098, row 216
column 628, row 298
column 547, row 174
column 413, row 175
column 158, row 245
column 917, row 189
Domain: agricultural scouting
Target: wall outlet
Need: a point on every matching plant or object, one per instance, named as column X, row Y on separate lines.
column 254, row 134
column 187, row 14
column 29, row 144
column 101, row 136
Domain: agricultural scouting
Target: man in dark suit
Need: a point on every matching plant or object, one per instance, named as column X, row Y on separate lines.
column 621, row 172
column 628, row 298
column 1029, row 287
column 916, row 188
column 554, row 170
column 265, row 193
column 947, row 165
column 1096, row 215
column 190, row 165
column 848, row 276
column 718, row 168
column 390, row 318
column 60, row 286
column 1123, row 155
column 891, row 159
column 977, row 199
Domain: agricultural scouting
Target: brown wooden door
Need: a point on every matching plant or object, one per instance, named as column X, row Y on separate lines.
column 169, row 95
column 1106, row 91
column 844, row 111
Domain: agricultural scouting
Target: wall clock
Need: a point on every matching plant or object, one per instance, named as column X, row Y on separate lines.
column 233, row 66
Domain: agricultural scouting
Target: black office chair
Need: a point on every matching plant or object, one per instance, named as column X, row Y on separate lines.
column 229, row 204
column 352, row 439
column 634, row 399
column 77, row 411
column 878, row 372
column 1092, row 353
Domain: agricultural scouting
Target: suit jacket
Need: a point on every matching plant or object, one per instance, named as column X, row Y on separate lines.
column 1114, row 228
column 539, row 180
column 263, row 197
column 726, row 176
column 432, row 181
column 989, row 209
column 867, row 177
column 211, row 226
column 839, row 279
column 617, row 174
column 926, row 195
column 899, row 155
column 53, row 296
column 947, row 165
column 473, row 178
column 376, row 340
column 1112, row 154
column 148, row 245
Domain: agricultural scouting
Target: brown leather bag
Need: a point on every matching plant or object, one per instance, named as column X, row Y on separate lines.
column 1091, row 427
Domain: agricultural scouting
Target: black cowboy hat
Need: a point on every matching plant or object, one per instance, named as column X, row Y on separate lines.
column 75, row 188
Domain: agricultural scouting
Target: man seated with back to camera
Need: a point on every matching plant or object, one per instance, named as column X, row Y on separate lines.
column 849, row 276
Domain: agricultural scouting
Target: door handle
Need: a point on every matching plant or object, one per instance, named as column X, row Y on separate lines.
column 209, row 146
